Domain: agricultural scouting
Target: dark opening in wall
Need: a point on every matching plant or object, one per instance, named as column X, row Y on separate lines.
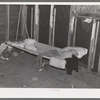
column 83, row 36
column 62, row 25
column 44, row 20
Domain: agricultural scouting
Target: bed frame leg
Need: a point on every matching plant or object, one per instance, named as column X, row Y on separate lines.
column 40, row 60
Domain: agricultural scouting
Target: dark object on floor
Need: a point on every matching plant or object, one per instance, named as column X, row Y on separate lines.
column 72, row 64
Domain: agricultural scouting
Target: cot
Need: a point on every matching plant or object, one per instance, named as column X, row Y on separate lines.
column 55, row 55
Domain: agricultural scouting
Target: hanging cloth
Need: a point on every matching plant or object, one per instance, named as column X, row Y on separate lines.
column 72, row 64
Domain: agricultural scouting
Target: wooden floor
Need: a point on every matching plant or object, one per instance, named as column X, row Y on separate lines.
column 22, row 71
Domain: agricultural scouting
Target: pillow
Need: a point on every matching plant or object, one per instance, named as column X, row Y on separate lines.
column 67, row 54
column 69, row 51
column 29, row 41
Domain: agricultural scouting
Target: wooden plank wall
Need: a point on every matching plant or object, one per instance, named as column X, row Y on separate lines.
column 86, row 9
column 13, row 19
column 81, row 9
column 2, row 23
column 94, row 10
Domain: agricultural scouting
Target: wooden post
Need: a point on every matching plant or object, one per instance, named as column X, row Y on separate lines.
column 91, row 49
column 51, row 24
column 99, row 65
column 70, row 33
column 23, row 30
column 74, row 33
column 31, row 22
column 25, row 24
column 71, row 24
column 95, row 43
column 8, row 16
column 54, row 27
column 36, row 23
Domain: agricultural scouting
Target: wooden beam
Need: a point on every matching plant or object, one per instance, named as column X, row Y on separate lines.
column 24, row 22
column 91, row 49
column 99, row 56
column 51, row 24
column 36, row 23
column 71, row 24
column 8, row 19
column 23, row 30
column 99, row 65
column 53, row 37
column 71, row 32
column 31, row 22
column 95, row 44
column 74, row 32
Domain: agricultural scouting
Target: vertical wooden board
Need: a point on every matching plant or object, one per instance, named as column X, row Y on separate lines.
column 99, row 65
column 51, row 25
column 54, row 19
column 7, row 23
column 44, row 19
column 95, row 44
column 36, row 22
column 29, row 7
column 32, row 22
column 62, row 25
column 22, row 19
column 74, row 32
column 71, row 23
column 3, row 23
column 83, row 36
column 29, row 19
column 97, row 54
column 92, row 42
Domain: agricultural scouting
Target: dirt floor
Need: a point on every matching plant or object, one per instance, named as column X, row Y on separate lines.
column 22, row 71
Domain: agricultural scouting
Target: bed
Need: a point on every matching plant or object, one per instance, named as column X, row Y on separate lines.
column 55, row 55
